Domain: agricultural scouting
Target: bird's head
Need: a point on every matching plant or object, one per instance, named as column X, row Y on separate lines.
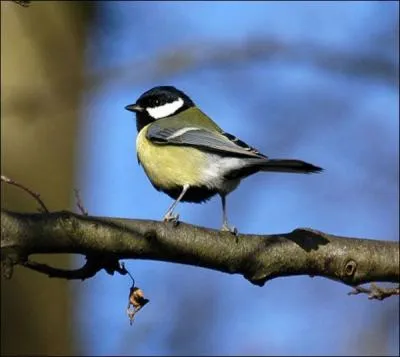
column 157, row 103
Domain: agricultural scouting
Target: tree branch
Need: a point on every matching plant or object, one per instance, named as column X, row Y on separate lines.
column 188, row 58
column 35, row 195
column 258, row 258
column 93, row 265
column 376, row 292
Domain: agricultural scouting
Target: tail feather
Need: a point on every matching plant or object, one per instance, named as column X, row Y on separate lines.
column 251, row 166
column 294, row 166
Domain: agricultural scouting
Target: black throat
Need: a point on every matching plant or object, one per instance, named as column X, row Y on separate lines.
column 143, row 119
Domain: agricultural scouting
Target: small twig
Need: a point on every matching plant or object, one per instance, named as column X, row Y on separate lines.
column 35, row 195
column 375, row 292
column 79, row 203
column 126, row 271
column 87, row 271
column 93, row 265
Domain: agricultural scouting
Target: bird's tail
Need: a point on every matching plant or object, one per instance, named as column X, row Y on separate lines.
column 295, row 166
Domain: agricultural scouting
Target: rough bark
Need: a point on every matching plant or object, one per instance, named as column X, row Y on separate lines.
column 258, row 258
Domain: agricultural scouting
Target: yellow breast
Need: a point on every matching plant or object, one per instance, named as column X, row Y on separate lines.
column 169, row 166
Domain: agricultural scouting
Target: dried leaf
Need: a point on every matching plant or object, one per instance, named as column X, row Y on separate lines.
column 136, row 302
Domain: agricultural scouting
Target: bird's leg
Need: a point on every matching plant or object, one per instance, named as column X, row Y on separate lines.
column 225, row 226
column 169, row 216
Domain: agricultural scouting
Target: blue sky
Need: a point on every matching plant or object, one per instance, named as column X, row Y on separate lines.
column 342, row 122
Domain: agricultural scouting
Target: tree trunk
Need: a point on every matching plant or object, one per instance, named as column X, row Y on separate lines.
column 42, row 63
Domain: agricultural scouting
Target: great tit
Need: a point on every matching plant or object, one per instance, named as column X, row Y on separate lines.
column 189, row 157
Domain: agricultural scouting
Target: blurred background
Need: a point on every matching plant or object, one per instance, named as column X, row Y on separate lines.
column 317, row 81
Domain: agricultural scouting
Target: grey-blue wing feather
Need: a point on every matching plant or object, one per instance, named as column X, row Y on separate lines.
column 221, row 143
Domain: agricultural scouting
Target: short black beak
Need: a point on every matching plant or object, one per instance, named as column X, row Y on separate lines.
column 134, row 108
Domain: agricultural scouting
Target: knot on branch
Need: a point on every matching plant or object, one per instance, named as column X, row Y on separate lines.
column 349, row 269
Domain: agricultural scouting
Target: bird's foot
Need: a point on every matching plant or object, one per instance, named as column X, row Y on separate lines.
column 171, row 218
column 228, row 228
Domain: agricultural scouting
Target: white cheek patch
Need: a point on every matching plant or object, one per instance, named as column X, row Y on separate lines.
column 165, row 110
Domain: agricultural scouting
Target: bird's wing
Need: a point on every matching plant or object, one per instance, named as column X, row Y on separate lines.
column 222, row 143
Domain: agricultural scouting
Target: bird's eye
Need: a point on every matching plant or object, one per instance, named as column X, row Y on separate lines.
column 157, row 102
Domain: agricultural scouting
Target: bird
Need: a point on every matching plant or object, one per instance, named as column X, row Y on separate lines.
column 187, row 156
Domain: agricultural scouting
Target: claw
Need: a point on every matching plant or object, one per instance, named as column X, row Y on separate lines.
column 172, row 218
column 231, row 229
